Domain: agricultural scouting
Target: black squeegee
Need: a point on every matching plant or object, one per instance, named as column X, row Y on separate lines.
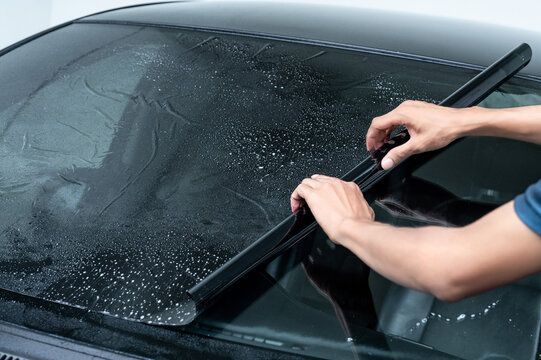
column 368, row 173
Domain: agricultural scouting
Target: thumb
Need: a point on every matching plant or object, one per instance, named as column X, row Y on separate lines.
column 397, row 155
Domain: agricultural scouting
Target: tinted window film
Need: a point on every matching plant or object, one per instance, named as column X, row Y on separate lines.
column 321, row 300
column 135, row 161
column 495, row 170
column 465, row 182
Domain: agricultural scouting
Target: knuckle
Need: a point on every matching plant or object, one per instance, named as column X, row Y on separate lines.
column 406, row 103
column 413, row 102
column 376, row 120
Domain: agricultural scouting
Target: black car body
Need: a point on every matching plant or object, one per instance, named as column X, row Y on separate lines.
column 161, row 129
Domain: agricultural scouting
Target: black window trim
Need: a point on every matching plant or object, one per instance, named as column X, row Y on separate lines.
column 261, row 35
column 305, row 41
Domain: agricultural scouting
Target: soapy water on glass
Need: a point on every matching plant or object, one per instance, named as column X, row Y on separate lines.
column 458, row 318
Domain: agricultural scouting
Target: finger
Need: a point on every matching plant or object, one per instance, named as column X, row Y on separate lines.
column 398, row 154
column 312, row 183
column 376, row 138
column 324, row 178
column 380, row 127
column 298, row 197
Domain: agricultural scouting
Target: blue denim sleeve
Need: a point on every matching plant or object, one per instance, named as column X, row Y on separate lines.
column 528, row 207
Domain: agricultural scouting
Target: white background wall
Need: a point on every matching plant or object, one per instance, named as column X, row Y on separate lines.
column 22, row 18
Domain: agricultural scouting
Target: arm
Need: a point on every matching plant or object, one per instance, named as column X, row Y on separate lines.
column 450, row 263
column 432, row 127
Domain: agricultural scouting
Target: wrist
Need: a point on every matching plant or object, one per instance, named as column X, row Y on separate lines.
column 467, row 121
column 473, row 121
column 350, row 230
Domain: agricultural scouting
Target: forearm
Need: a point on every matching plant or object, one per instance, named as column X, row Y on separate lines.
column 450, row 263
column 412, row 257
column 520, row 123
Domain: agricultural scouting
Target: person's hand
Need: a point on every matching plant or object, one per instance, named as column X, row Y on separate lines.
column 430, row 127
column 332, row 201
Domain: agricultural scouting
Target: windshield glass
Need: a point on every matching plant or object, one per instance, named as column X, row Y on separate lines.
column 136, row 160
column 319, row 299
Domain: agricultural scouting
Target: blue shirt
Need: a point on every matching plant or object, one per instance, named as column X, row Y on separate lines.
column 528, row 207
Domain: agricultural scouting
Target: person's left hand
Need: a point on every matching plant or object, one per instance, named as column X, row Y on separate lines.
column 332, row 201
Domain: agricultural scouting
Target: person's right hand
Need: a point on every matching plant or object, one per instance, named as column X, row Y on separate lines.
column 430, row 127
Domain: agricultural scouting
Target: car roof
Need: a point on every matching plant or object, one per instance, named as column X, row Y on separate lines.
column 465, row 42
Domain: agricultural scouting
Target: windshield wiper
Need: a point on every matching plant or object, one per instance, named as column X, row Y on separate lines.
column 367, row 174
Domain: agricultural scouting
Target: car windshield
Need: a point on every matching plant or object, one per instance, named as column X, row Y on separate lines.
column 137, row 160
column 318, row 299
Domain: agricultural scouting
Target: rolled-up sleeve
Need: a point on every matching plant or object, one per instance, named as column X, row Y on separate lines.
column 528, row 207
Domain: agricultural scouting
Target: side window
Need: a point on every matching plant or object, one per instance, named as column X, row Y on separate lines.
column 457, row 187
column 331, row 294
column 490, row 169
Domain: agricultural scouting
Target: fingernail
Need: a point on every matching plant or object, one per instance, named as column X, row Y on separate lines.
column 315, row 175
column 387, row 163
